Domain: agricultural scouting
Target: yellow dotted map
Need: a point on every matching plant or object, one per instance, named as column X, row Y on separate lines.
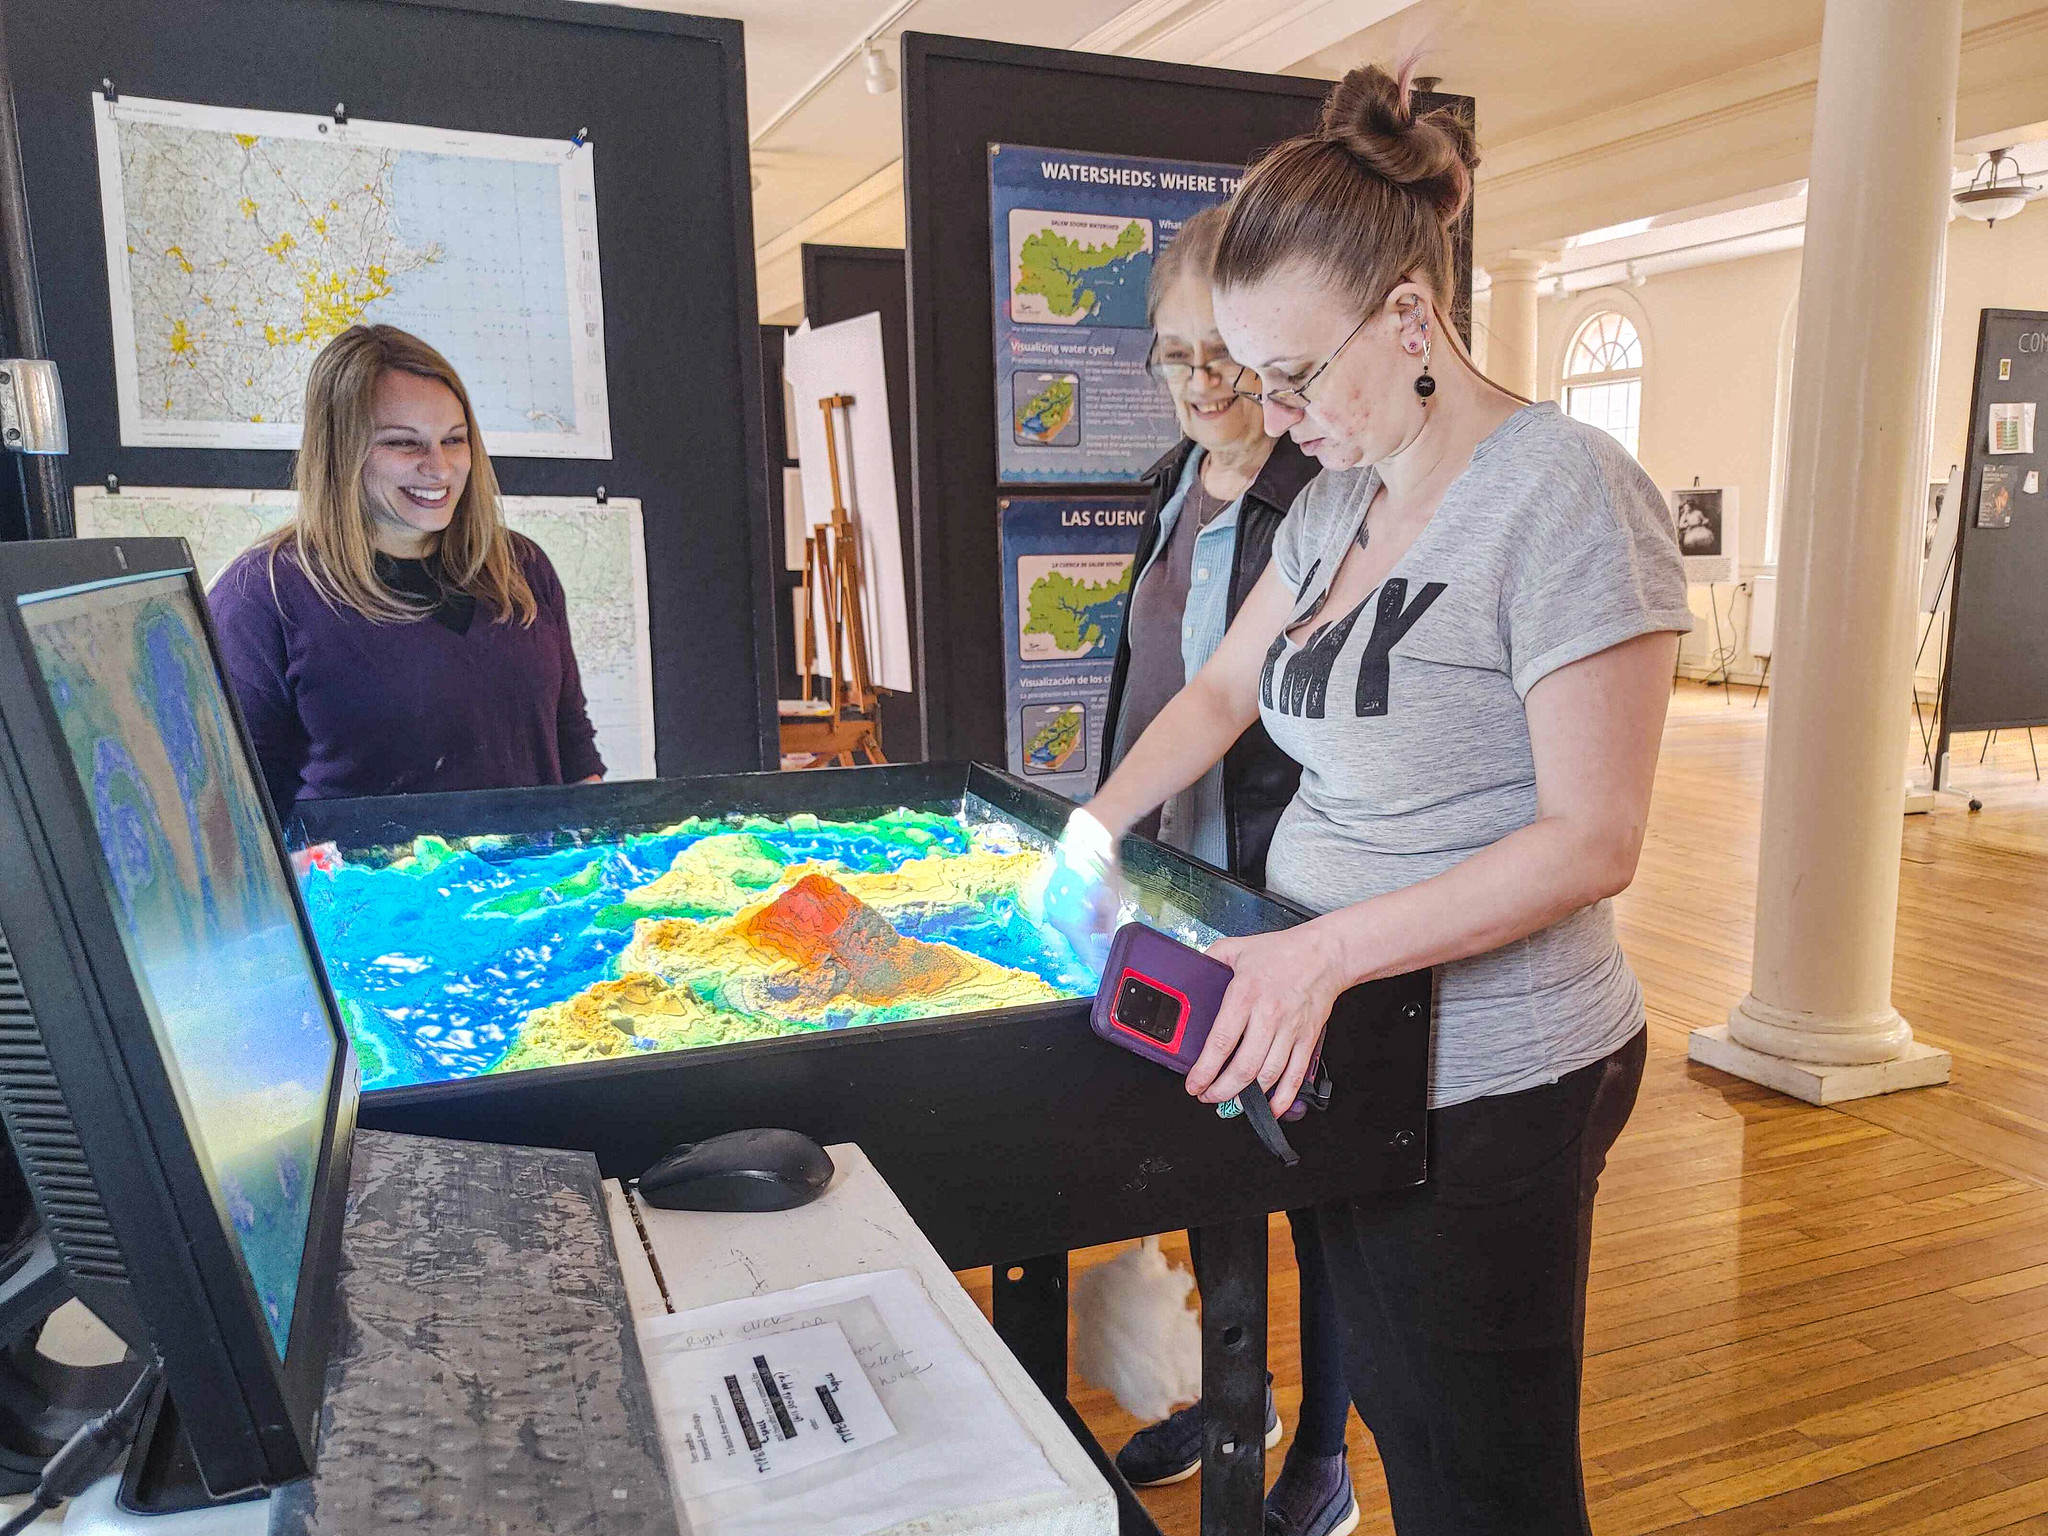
column 240, row 242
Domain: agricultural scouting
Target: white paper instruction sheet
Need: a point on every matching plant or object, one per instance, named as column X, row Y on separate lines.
column 755, row 1410
column 921, row 1429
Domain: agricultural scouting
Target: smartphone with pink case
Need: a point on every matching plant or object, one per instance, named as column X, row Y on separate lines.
column 1159, row 998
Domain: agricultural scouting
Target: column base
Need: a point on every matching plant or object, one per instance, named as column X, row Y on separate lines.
column 1922, row 1066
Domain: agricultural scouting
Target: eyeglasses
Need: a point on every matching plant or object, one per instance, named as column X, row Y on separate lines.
column 1294, row 397
column 1223, row 368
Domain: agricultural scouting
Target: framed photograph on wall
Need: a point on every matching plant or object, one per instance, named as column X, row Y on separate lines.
column 1938, row 537
column 1706, row 517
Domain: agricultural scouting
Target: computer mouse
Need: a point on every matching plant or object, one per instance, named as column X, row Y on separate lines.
column 762, row 1170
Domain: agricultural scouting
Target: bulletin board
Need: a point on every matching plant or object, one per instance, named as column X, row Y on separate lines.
column 662, row 100
column 959, row 97
column 1997, row 669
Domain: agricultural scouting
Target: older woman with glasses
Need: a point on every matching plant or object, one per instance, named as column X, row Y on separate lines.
column 1218, row 498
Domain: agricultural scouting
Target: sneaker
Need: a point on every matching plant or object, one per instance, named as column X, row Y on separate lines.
column 1335, row 1514
column 1171, row 1450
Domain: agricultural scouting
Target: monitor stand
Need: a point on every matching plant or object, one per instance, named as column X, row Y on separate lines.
column 98, row 1512
column 159, row 1492
column 161, row 1477
column 43, row 1401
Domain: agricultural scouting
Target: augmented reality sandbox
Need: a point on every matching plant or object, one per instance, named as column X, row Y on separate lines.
column 497, row 953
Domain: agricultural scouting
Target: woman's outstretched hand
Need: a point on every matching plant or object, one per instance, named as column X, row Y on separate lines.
column 1273, row 1015
column 1085, row 890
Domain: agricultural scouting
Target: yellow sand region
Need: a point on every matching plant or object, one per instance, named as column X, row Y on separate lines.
column 605, row 1019
column 719, row 875
column 687, row 983
column 715, row 876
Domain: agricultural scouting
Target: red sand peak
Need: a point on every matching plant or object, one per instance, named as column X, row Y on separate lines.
column 801, row 921
column 822, row 926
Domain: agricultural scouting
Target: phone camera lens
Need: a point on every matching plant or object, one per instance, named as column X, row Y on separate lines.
column 1149, row 1011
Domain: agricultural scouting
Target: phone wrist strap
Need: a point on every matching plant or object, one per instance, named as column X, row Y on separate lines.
column 1260, row 1113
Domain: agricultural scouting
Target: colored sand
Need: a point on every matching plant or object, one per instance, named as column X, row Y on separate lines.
column 456, row 958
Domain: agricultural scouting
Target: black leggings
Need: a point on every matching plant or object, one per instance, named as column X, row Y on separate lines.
column 1462, row 1306
column 1325, row 1398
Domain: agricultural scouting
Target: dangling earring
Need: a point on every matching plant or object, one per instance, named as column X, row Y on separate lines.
column 1425, row 386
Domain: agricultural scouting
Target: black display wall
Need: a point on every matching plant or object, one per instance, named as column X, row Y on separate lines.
column 843, row 282
column 663, row 98
column 959, row 96
column 1996, row 674
column 775, row 450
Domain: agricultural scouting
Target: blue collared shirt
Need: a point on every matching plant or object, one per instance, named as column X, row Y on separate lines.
column 1193, row 820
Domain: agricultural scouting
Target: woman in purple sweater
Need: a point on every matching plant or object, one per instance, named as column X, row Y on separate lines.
column 396, row 637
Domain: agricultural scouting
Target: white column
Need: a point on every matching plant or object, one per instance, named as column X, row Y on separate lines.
column 1511, row 321
column 1819, row 1022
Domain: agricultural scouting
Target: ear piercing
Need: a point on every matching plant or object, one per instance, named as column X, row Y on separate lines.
column 1425, row 386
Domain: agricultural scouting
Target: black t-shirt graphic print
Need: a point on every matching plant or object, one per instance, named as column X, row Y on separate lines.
column 1304, row 683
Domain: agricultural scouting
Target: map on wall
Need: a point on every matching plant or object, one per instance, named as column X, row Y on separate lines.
column 595, row 547
column 239, row 243
column 1079, row 268
column 1072, row 605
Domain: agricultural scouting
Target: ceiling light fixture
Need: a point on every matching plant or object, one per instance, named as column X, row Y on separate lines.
column 1990, row 197
column 881, row 78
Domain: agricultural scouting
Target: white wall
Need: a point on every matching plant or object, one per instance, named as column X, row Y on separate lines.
column 1715, row 342
column 2003, row 266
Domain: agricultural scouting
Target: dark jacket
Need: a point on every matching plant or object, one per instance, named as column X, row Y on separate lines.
column 1258, row 778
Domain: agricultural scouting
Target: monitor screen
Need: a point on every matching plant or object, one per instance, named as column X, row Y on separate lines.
column 206, row 913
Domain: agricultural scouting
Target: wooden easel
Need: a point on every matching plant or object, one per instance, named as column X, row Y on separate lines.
column 849, row 721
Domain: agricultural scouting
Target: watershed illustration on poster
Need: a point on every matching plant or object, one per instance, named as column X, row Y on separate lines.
column 1073, row 239
column 1066, row 579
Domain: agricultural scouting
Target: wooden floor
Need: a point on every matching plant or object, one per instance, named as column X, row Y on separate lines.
column 1806, row 1319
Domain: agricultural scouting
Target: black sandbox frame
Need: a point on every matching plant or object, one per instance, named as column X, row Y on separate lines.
column 1011, row 1136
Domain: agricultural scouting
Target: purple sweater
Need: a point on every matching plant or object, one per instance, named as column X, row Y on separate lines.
column 338, row 706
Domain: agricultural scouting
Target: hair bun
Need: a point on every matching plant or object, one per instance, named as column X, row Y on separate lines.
column 1369, row 113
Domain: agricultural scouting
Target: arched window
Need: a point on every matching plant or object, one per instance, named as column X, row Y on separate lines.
column 1603, row 377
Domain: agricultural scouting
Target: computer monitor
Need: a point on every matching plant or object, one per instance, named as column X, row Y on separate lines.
column 173, row 1073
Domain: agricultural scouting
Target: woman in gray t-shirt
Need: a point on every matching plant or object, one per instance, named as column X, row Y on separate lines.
column 1466, row 638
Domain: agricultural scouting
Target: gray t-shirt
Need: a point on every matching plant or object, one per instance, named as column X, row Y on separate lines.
column 1407, row 717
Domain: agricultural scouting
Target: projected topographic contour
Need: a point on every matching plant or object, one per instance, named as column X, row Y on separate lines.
column 457, row 958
